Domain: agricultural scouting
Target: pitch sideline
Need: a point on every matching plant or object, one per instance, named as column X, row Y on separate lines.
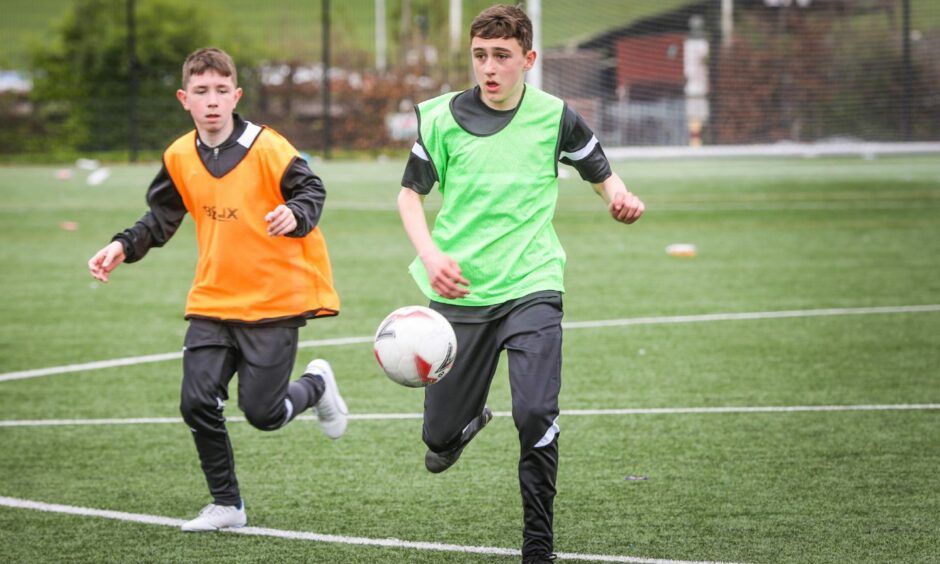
column 675, row 319
column 316, row 537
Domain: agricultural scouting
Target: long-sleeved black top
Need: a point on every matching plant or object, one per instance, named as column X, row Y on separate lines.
column 303, row 193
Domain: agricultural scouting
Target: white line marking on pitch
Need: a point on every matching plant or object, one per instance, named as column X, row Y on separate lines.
column 131, row 360
column 567, row 325
column 752, row 316
column 315, row 537
column 565, row 412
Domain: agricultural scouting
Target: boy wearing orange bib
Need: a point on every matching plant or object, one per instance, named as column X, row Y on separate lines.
column 263, row 270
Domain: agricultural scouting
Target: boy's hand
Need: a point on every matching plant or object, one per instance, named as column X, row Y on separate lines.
column 625, row 207
column 444, row 275
column 106, row 260
column 280, row 221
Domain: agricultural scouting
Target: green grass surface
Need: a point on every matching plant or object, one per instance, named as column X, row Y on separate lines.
column 772, row 235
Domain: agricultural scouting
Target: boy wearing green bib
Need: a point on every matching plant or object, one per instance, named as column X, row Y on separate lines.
column 493, row 265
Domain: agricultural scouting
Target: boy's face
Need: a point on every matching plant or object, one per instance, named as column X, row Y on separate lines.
column 499, row 66
column 210, row 98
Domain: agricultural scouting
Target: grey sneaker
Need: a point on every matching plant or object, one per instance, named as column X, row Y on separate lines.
column 214, row 517
column 437, row 462
column 330, row 408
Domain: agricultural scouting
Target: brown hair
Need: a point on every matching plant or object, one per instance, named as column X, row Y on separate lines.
column 209, row 58
column 503, row 21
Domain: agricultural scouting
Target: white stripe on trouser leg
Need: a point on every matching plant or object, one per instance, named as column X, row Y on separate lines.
column 290, row 411
column 549, row 435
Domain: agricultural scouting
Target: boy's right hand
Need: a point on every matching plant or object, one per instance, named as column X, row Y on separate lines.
column 106, row 260
column 444, row 275
column 625, row 207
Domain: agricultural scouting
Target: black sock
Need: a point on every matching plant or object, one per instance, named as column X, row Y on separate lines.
column 314, row 385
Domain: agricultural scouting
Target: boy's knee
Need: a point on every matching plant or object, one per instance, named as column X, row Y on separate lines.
column 193, row 410
column 438, row 442
column 262, row 418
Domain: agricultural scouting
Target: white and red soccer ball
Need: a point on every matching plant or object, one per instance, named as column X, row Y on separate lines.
column 415, row 346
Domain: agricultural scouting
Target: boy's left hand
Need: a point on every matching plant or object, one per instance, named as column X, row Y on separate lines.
column 280, row 221
column 626, row 207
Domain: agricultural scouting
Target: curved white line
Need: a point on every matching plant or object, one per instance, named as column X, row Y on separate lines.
column 316, row 537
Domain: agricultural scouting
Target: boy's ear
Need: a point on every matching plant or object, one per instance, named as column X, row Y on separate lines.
column 530, row 60
column 181, row 96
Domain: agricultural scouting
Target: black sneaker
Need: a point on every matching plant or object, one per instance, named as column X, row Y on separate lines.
column 438, row 462
column 539, row 559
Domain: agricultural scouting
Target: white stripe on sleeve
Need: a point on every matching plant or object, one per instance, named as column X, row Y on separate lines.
column 418, row 151
column 583, row 152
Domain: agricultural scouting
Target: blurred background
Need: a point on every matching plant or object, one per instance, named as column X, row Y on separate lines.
column 97, row 77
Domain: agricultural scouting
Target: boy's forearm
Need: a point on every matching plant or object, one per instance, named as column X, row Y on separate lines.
column 304, row 194
column 159, row 223
column 137, row 239
column 610, row 187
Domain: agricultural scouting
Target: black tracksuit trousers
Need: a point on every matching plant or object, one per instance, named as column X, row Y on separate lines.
column 531, row 335
column 263, row 357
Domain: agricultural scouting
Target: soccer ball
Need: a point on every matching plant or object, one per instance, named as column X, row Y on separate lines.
column 415, row 346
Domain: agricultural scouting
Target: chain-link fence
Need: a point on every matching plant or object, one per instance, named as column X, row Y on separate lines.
column 646, row 72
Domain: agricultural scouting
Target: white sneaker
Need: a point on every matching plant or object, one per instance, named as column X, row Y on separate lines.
column 330, row 409
column 214, row 517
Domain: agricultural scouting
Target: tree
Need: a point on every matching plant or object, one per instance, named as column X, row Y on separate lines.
column 81, row 78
